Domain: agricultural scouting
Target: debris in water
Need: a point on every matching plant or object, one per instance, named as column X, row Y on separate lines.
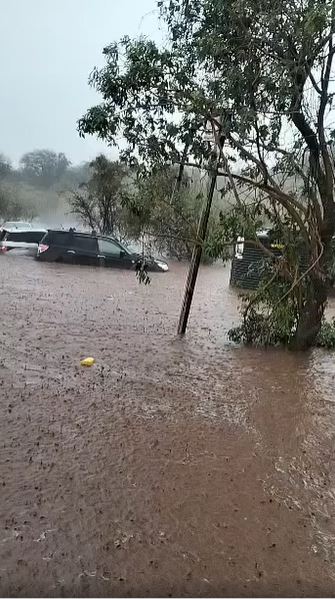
column 87, row 362
column 43, row 535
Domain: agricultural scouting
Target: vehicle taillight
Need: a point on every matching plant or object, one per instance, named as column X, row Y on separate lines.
column 3, row 249
column 42, row 248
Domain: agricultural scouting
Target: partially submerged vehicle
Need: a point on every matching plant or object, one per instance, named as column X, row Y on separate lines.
column 73, row 247
column 22, row 239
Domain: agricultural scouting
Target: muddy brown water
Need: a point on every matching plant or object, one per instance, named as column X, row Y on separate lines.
column 186, row 467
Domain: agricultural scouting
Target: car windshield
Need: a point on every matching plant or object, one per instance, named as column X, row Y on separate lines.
column 130, row 249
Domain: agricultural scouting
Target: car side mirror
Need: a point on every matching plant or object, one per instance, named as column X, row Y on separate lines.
column 122, row 254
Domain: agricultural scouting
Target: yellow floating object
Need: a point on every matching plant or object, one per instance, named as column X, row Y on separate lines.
column 87, row 362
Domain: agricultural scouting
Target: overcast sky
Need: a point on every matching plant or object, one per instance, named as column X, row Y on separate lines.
column 47, row 50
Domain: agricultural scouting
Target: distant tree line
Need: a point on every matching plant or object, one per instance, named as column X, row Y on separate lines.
column 37, row 184
column 42, row 169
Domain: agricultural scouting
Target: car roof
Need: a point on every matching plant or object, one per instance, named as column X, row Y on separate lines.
column 84, row 234
column 66, row 231
column 94, row 235
column 26, row 230
column 109, row 238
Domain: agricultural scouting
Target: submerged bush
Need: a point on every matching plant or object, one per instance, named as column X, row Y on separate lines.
column 326, row 336
column 258, row 331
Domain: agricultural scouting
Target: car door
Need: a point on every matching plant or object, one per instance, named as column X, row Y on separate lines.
column 58, row 247
column 113, row 255
column 83, row 250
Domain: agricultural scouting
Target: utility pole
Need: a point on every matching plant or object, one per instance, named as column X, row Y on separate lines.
column 196, row 253
column 181, row 169
column 179, row 180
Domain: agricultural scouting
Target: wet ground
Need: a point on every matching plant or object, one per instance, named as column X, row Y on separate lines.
column 172, row 467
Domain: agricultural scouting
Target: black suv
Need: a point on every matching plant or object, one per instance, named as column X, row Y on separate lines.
column 95, row 250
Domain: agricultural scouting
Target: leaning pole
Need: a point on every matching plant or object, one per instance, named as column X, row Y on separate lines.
column 196, row 253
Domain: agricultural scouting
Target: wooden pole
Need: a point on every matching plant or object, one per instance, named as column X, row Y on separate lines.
column 181, row 169
column 196, row 256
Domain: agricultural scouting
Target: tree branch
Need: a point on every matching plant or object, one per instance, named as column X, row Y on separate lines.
column 321, row 114
column 290, row 205
column 314, row 83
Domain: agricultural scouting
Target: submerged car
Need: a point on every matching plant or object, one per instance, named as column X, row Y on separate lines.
column 24, row 239
column 94, row 250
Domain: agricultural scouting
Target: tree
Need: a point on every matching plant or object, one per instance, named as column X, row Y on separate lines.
column 148, row 209
column 166, row 216
column 98, row 202
column 258, row 73
column 5, row 167
column 13, row 205
column 43, row 167
column 73, row 177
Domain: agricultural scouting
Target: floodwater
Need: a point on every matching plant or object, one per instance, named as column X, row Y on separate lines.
column 173, row 467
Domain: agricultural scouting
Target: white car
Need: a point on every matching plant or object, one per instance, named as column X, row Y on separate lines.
column 24, row 239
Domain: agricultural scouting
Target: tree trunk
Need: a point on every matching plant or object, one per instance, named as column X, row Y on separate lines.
column 310, row 320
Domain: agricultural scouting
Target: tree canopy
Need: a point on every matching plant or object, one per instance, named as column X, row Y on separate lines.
column 43, row 167
column 97, row 202
column 5, row 167
column 254, row 77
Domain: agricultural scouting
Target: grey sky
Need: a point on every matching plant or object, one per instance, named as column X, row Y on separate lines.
column 47, row 50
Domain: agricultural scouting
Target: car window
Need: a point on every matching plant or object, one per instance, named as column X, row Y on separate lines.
column 109, row 248
column 57, row 237
column 89, row 244
column 36, row 236
column 15, row 237
column 26, row 236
